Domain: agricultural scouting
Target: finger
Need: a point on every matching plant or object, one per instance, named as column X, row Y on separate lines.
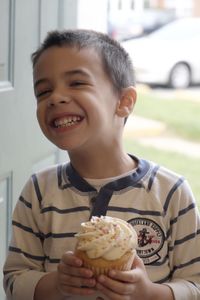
column 131, row 276
column 76, row 281
column 109, row 293
column 74, row 271
column 69, row 258
column 115, row 286
column 69, row 290
column 70, row 264
column 138, row 263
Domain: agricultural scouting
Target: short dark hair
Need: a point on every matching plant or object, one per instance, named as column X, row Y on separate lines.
column 116, row 61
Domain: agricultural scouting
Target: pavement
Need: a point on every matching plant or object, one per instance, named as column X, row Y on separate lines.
column 151, row 133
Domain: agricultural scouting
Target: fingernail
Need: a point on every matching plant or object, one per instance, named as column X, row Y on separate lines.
column 101, row 278
column 89, row 273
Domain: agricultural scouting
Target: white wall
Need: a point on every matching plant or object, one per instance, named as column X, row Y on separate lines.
column 85, row 14
column 92, row 14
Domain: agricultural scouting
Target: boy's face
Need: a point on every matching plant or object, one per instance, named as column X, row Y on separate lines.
column 76, row 102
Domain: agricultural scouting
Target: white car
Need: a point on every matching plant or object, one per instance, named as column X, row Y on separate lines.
column 169, row 56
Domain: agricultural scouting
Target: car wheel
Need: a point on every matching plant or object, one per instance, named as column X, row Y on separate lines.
column 180, row 76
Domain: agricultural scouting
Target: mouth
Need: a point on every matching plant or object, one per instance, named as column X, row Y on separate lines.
column 66, row 121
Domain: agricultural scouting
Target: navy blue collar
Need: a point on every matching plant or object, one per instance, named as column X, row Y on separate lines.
column 131, row 180
column 103, row 197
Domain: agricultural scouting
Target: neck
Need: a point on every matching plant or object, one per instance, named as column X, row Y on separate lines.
column 102, row 164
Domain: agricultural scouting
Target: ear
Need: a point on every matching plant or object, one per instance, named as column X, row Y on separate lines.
column 126, row 102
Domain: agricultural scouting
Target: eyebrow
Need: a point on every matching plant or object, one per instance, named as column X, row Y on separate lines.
column 65, row 74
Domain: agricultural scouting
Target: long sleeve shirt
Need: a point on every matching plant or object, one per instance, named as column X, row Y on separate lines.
column 158, row 203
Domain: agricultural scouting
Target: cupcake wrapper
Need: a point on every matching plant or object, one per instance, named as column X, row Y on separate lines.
column 103, row 270
column 103, row 267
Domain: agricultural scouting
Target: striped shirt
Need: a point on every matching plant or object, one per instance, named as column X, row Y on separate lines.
column 158, row 203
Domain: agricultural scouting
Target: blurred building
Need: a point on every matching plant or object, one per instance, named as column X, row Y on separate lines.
column 181, row 7
column 134, row 18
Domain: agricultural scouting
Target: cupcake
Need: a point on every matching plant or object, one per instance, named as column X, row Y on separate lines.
column 106, row 243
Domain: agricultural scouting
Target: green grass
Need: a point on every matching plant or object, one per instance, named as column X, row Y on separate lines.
column 182, row 118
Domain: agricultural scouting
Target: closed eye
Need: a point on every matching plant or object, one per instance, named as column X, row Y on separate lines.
column 42, row 93
column 77, row 83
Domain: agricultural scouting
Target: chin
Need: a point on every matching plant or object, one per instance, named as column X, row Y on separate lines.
column 67, row 146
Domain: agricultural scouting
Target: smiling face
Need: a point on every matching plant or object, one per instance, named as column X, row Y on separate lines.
column 76, row 102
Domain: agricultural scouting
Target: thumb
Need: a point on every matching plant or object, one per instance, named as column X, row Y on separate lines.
column 139, row 269
column 138, row 263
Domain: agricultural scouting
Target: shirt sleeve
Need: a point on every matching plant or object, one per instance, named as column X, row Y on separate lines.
column 184, row 247
column 24, row 265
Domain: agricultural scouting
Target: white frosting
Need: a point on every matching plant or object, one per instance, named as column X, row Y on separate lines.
column 106, row 237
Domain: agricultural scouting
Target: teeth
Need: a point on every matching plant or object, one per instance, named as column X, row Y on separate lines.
column 67, row 121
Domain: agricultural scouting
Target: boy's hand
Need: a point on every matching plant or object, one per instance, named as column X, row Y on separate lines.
column 72, row 278
column 131, row 285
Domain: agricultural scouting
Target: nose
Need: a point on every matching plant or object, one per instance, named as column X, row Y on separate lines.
column 57, row 99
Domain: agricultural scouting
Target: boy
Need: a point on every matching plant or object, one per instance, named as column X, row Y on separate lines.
column 84, row 86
